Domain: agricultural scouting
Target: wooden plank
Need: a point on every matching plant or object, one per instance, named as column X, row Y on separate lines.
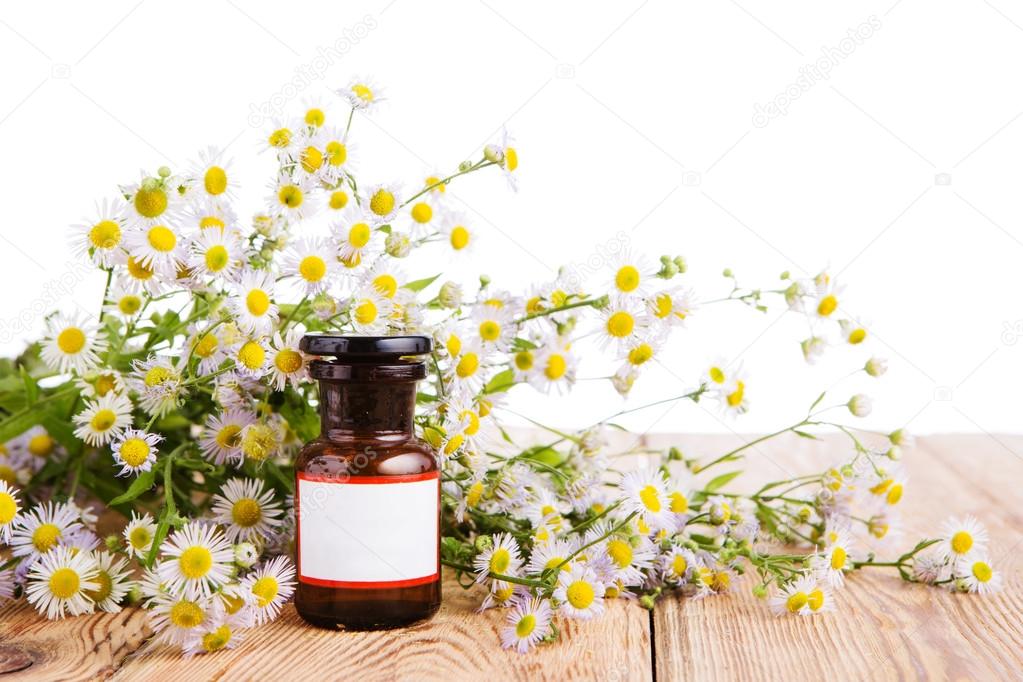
column 884, row 628
column 457, row 644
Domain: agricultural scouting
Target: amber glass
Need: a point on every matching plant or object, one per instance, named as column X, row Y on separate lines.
column 366, row 416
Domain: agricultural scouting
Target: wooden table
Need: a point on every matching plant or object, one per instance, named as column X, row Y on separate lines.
column 884, row 629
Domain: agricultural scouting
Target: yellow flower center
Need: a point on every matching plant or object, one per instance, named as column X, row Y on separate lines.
column 104, row 384
column 363, row 92
column 796, row 602
column 215, row 180
column 815, row 599
column 454, row 443
column 580, row 594
column 135, row 451
column 459, row 238
column 735, row 397
column 525, row 626
column 827, row 305
column 467, row 365
column 265, row 589
column 620, row 324
column 640, row 354
column 140, row 537
column 150, row 202
column 44, row 538
column 453, row 345
column 500, row 560
column 679, row 565
column 41, row 445
column 288, row 361
column 312, row 159
column 8, row 475
column 857, row 336
column 207, row 345
column 103, row 420
column 717, row 375
column 162, row 238
column 338, row 200
column 232, row 603
column 137, row 270
column 524, row 360
column 106, row 586
column 64, row 583
column 895, row 494
column 664, row 306
column 366, row 312
column 982, row 571
column 359, row 234
column 259, row 442
column 382, row 202
column 627, row 278
column 105, row 234
column 472, row 422
column 290, row 196
column 312, row 268
column 216, row 640
column 422, row 213
column 650, row 499
column 252, row 355
column 186, row 614
column 472, row 498
column 228, row 436
column 620, row 552
column 217, row 258
column 257, row 302
column 386, row 285
column 129, row 304
column 8, row 508
column 280, row 138
column 434, row 180
column 246, row 512
column 490, row 330
column 838, row 557
column 195, row 562
column 208, row 221
column 71, row 340
column 315, row 117
column 679, row 503
column 337, row 153
column 504, row 594
column 511, row 158
column 962, row 542
column 157, row 375
column 556, row 367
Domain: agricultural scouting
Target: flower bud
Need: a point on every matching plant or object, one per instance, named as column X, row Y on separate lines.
column 484, row 281
column 483, row 543
column 785, row 275
column 263, row 224
column 245, row 554
column 899, row 437
column 760, row 591
column 163, row 171
column 450, row 295
column 397, row 245
column 727, row 272
column 433, row 436
column 680, row 263
column 112, row 542
column 464, row 166
column 647, row 602
column 894, row 453
column 493, row 153
column 876, row 367
column 859, row 405
column 149, row 184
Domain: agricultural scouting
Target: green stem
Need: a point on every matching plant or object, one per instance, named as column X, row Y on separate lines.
column 496, row 576
column 595, row 302
column 475, row 167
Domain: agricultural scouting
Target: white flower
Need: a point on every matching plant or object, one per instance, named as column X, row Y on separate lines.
column 101, row 236
column 174, row 616
column 210, row 215
column 860, row 405
column 337, row 155
column 645, row 492
column 42, row 528
column 529, row 623
column 356, row 238
column 252, row 301
column 124, row 300
column 622, row 323
column 59, row 582
column 250, row 357
column 197, row 560
column 135, row 451
column 550, row 555
column 678, row 564
column 671, row 307
column 206, row 345
column 291, row 199
column 832, row 564
column 579, row 593
column 271, row 585
column 459, row 236
column 157, row 247
column 113, row 578
column 370, row 311
column 139, row 535
column 502, row 558
column 630, row 274
column 71, row 344
column 158, row 383
column 246, row 510
column 216, row 635
column 288, row 362
column 980, row 577
column 212, row 175
column 363, row 94
column 103, row 419
column 468, row 370
column 961, row 537
column 214, row 255
column 803, row 596
column 312, row 263
column 9, row 510
column 554, row 366
column 151, row 202
column 282, row 141
column 221, row 441
column 876, row 367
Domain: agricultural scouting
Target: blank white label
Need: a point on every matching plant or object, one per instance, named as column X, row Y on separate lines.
column 369, row 532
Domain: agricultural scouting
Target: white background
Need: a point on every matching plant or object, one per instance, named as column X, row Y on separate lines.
column 900, row 171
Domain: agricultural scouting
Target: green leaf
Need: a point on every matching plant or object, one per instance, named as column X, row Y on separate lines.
column 140, row 485
column 31, row 387
column 501, row 382
column 720, row 481
column 804, row 434
column 523, row 344
column 420, row 284
column 18, row 424
column 544, row 455
column 818, row 401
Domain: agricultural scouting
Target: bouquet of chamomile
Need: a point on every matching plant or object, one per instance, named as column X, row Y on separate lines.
column 178, row 406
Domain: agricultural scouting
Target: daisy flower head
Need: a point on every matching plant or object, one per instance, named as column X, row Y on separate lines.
column 645, row 491
column 157, row 247
column 72, row 344
column 291, row 199
column 529, row 622
column 250, row 355
column 209, row 215
column 310, row 161
column 383, row 202
column 136, row 276
column 216, row 635
column 114, row 579
column 506, row 155
column 60, row 581
column 103, row 419
column 551, row 555
column 271, row 585
column 212, row 177
column 627, row 558
column 732, row 394
column 246, row 510
column 158, row 384
column 630, row 274
column 369, row 310
column 678, row 564
column 43, row 528
column 221, row 438
column 385, row 277
column 340, row 203
column 282, row 140
column 469, row 369
column 502, row 558
column 9, row 510
column 357, row 239
column 826, row 297
column 834, row 561
column 459, row 236
column 313, row 114
column 124, row 300
column 670, row 307
column 135, row 451
column 261, row 440
column 151, row 201
column 960, row 537
column 580, row 593
column 252, row 301
column 978, row 575
column 101, row 237
column 803, row 596
column 623, row 321
column 495, row 325
column 138, row 535
column 197, row 560
column 424, row 215
column 215, row 255
column 312, row 263
column 637, row 354
column 287, row 361
column 338, row 152
column 363, row 94
column 38, row 447
column 174, row 616
column 206, row 346
column 98, row 383
column 554, row 366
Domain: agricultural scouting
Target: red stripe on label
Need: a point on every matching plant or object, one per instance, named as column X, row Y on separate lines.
column 375, row 480
column 384, row 584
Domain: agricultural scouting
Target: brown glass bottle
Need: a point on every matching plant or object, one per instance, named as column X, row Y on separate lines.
column 367, row 495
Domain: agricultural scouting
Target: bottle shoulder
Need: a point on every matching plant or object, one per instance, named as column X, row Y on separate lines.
column 366, row 457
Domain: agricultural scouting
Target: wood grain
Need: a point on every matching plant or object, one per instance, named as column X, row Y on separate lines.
column 884, row 628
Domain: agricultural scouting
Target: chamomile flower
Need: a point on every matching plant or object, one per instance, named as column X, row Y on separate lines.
column 114, row 579
column 385, row 277
column 217, row 635
column 468, row 370
column 356, row 240
column 630, row 274
column 363, row 94
column 261, row 440
column 979, row 576
column 960, row 537
column 312, row 263
column 826, row 299
column 252, row 301
column 282, row 140
column 124, row 300
column 369, row 311
column 529, row 623
column 221, row 438
column 579, row 593
column 424, row 215
column 151, row 201
column 628, row 559
column 287, row 361
column 341, row 204
column 495, row 325
column 501, row 558
column 139, row 535
column 834, row 561
column 382, row 202
column 310, row 160
column 9, row 510
column 803, row 596
column 506, row 155
column 550, row 555
column 212, row 176
column 554, row 366
column 206, row 346
column 101, row 381
column 645, row 492
column 732, row 395
column 338, row 152
column 157, row 247
column 291, row 199
column 271, row 585
column 459, row 237
column 246, row 510
column 135, row 451
column 678, row 565
column 210, row 215
column 41, row 529
column 139, row 277
column 158, row 384
column 214, row 255
column 671, row 307
column 250, row 355
column 71, row 344
column 197, row 560
column 103, row 419
column 39, row 446
column 101, row 237
column 637, row 353
column 60, row 581
column 174, row 616
column 622, row 323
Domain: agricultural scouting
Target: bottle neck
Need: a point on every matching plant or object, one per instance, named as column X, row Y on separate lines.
column 380, row 410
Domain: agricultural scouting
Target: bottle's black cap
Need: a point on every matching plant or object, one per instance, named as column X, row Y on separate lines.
column 365, row 348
